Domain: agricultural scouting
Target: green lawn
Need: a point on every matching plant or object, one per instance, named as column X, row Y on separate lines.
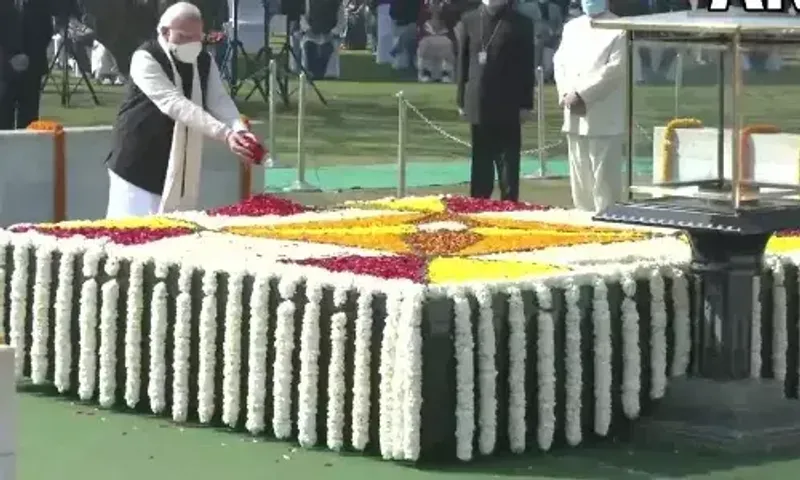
column 360, row 124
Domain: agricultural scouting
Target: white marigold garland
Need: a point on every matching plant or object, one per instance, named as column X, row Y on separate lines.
column 257, row 355
column 487, row 374
column 780, row 341
column 336, row 373
column 108, row 334
column 603, row 374
column 388, row 411
column 682, row 323
column 283, row 371
column 658, row 336
column 518, row 355
column 156, row 386
column 232, row 350
column 208, row 348
column 361, row 372
column 574, row 380
column 411, row 322
column 133, row 334
column 546, row 368
column 755, row 338
column 307, row 391
column 182, row 333
column 40, row 329
column 87, row 323
column 464, row 349
column 631, row 354
column 3, row 251
column 62, row 341
column 19, row 305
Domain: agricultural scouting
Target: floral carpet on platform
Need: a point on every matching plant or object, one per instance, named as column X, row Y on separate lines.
column 179, row 342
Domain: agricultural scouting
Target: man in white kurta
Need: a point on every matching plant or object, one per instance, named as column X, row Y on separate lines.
column 171, row 104
column 589, row 70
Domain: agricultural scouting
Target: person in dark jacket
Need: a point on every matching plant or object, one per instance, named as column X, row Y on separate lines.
column 495, row 81
column 21, row 91
column 9, row 44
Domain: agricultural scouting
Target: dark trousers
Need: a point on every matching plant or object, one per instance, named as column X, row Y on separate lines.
column 20, row 93
column 495, row 148
column 317, row 58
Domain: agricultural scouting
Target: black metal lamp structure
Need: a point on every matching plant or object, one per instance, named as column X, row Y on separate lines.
column 728, row 223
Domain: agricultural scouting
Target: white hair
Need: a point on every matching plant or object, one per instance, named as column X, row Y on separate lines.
column 179, row 11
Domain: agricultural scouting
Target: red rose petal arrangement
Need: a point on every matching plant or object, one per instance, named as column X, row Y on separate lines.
column 120, row 236
column 466, row 205
column 260, row 205
column 399, row 267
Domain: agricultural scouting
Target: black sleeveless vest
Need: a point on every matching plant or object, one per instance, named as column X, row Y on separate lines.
column 142, row 134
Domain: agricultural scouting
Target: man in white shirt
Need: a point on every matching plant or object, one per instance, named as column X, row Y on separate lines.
column 175, row 97
column 589, row 69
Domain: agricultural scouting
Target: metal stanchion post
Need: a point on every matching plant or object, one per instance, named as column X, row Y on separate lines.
column 678, row 81
column 540, row 122
column 541, row 126
column 300, row 185
column 402, row 111
column 273, row 100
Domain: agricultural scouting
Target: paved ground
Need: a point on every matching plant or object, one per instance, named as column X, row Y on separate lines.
column 63, row 440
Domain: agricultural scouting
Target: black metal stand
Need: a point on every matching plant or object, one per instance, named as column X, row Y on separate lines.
column 285, row 57
column 235, row 47
column 719, row 406
column 66, row 91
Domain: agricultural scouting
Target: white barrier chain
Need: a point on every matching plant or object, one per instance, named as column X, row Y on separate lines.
column 465, row 143
column 533, row 151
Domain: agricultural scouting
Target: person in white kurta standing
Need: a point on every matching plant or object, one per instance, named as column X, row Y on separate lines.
column 175, row 97
column 589, row 69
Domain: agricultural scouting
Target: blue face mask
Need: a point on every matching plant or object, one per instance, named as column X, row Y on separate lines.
column 594, row 7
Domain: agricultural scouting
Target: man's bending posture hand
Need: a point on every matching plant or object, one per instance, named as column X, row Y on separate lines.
column 175, row 97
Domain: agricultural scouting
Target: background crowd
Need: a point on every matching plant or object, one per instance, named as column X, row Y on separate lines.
column 413, row 36
column 397, row 32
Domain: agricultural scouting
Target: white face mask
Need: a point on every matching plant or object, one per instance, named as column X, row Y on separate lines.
column 187, row 52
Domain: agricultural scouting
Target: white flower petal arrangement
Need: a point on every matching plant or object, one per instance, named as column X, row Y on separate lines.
column 357, row 362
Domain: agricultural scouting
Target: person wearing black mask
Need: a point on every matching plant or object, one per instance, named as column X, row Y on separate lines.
column 495, row 72
column 21, row 91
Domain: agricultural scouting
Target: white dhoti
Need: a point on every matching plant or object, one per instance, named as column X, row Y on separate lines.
column 128, row 200
column 435, row 57
column 595, row 171
column 103, row 63
column 385, row 27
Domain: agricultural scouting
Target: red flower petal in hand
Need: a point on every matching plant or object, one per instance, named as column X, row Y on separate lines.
column 260, row 205
column 405, row 267
column 120, row 236
column 466, row 205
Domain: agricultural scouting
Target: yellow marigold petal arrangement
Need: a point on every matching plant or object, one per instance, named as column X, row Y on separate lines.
column 459, row 269
column 669, row 144
column 409, row 204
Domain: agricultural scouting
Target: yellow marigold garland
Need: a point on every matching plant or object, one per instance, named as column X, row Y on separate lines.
column 121, row 223
column 668, row 144
column 460, row 269
column 746, row 159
